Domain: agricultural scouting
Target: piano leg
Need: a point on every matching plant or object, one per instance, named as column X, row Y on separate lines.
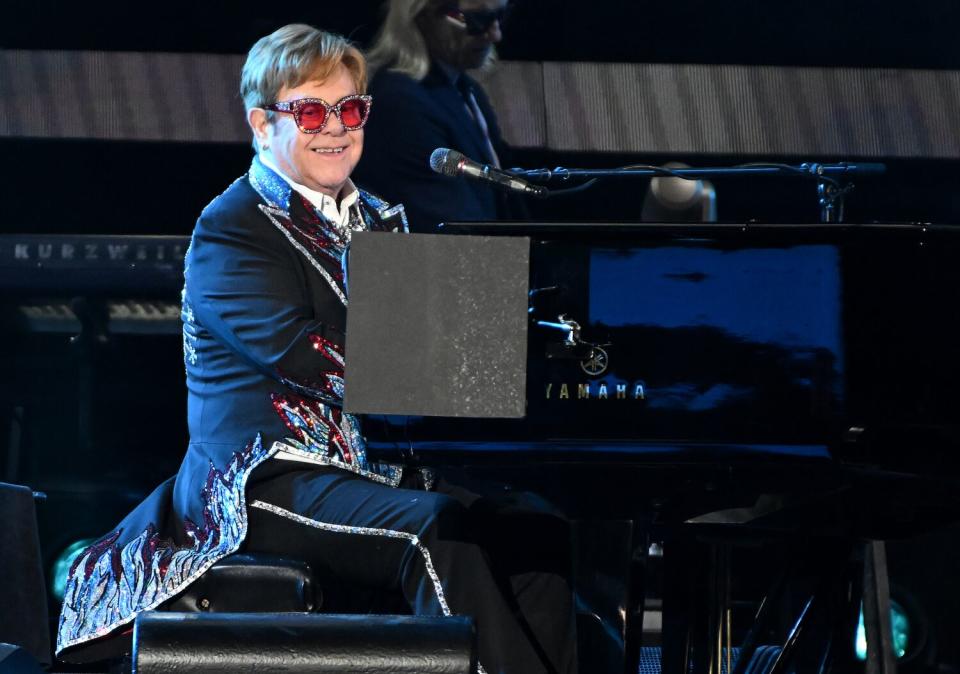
column 763, row 618
column 696, row 606
column 636, row 595
column 682, row 571
column 876, row 610
column 609, row 572
column 839, row 654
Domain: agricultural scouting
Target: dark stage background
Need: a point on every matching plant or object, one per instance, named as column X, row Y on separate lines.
column 97, row 425
column 849, row 35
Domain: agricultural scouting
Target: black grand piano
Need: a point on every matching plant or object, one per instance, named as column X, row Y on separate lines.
column 707, row 386
column 723, row 384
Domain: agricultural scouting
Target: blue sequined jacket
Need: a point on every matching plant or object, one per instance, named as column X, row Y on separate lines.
column 264, row 312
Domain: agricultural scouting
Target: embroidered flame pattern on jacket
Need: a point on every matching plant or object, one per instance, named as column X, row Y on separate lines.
column 322, row 431
column 329, row 386
column 107, row 586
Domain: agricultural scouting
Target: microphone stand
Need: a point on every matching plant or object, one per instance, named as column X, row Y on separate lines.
column 830, row 188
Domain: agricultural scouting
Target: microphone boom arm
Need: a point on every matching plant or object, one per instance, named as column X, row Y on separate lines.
column 830, row 191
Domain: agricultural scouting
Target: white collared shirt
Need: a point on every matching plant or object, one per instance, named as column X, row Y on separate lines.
column 327, row 205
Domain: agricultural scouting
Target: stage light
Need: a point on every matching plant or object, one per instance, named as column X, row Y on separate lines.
column 899, row 632
column 61, row 566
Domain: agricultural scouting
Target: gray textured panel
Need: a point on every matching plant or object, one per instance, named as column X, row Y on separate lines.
column 121, row 96
column 437, row 325
column 704, row 109
column 592, row 107
column 515, row 89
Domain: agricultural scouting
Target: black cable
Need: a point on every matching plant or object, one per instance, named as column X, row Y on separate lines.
column 659, row 170
column 572, row 190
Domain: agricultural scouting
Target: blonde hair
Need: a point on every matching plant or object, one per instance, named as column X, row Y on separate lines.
column 399, row 45
column 295, row 54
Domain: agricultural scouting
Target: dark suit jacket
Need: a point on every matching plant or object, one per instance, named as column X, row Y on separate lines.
column 264, row 314
column 408, row 121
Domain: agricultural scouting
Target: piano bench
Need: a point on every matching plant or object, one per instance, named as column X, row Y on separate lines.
column 222, row 643
column 251, row 583
column 258, row 612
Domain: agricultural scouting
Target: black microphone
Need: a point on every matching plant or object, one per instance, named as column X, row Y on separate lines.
column 452, row 163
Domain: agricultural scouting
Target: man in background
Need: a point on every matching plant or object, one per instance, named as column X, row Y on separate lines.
column 426, row 100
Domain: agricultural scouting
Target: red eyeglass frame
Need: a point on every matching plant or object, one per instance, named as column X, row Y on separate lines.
column 295, row 108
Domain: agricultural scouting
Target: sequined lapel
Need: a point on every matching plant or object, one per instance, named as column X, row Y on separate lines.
column 314, row 235
column 304, row 227
column 380, row 216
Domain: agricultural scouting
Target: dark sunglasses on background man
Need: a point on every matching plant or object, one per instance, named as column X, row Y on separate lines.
column 477, row 21
column 312, row 114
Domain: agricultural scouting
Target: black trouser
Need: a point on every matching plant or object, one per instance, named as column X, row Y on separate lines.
column 502, row 560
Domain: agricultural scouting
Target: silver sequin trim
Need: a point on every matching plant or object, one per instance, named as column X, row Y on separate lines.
column 366, row 531
column 190, row 354
column 272, row 213
column 385, row 211
column 429, row 478
column 369, row 531
column 267, row 183
column 114, row 602
column 395, row 211
column 391, row 480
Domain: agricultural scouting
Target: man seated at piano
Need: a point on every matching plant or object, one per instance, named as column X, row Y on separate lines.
column 422, row 57
column 274, row 465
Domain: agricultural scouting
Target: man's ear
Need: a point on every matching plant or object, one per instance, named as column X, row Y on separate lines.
column 257, row 119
